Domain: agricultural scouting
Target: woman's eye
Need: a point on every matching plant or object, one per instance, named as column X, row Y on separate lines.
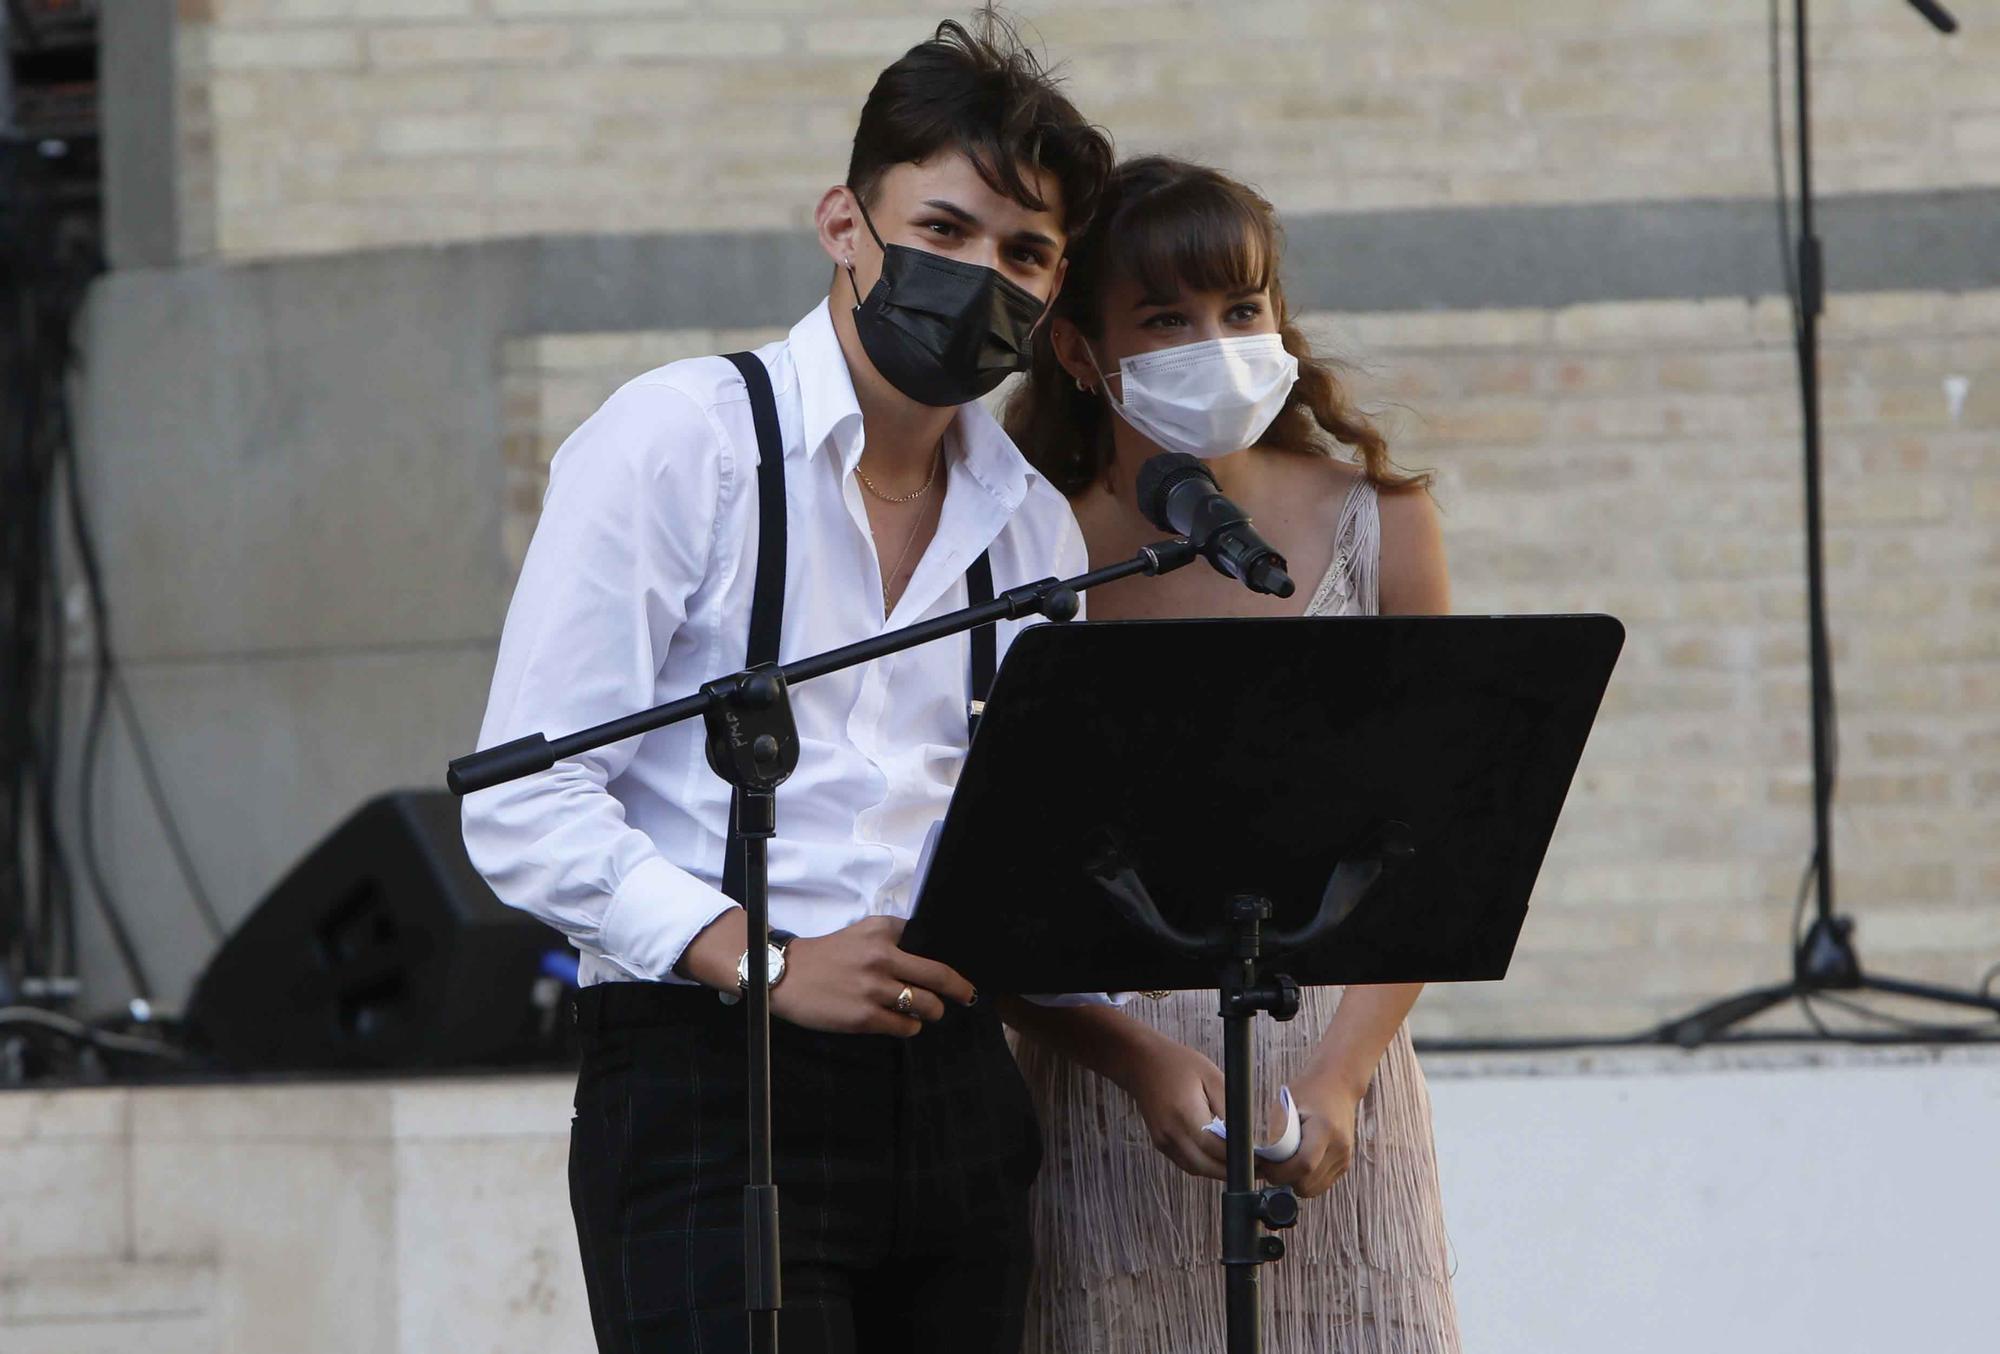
column 1246, row 312
column 1164, row 321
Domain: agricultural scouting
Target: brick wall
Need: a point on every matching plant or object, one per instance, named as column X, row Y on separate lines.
column 325, row 125
column 1643, row 460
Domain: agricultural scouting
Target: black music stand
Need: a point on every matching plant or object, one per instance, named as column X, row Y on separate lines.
column 1172, row 804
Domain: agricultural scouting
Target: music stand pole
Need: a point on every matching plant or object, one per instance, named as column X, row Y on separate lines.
column 1247, row 1210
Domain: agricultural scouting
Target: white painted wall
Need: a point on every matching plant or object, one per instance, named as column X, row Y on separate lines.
column 1838, row 1203
column 1821, row 1201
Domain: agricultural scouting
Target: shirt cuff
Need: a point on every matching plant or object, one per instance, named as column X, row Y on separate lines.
column 654, row 916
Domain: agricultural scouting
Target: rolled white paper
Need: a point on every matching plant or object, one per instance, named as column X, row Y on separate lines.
column 1287, row 1144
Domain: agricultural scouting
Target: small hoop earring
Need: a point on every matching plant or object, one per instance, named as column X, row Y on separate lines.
column 1081, row 386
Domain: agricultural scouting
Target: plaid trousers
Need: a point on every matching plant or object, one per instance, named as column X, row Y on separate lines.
column 903, row 1168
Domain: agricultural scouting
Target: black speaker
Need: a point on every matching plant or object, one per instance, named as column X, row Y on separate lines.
column 383, row 948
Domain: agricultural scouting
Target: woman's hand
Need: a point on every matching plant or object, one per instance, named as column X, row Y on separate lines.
column 1326, row 1141
column 1177, row 1090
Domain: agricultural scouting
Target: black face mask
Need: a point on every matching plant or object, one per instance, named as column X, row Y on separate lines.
column 942, row 332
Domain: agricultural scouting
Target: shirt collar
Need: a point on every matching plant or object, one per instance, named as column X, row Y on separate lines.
column 830, row 416
column 828, row 411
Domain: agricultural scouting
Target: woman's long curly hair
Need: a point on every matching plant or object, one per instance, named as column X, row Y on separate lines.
column 1170, row 224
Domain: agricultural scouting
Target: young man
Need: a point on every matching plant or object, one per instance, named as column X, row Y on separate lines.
column 905, row 1141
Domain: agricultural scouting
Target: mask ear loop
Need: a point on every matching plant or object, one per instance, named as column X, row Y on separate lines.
column 848, row 262
column 1103, row 381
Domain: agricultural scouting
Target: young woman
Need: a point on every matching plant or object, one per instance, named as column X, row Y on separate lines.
column 1171, row 334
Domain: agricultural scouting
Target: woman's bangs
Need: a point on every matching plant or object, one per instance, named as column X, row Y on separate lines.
column 1196, row 238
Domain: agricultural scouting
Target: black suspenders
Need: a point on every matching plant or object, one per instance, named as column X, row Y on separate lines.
column 767, row 602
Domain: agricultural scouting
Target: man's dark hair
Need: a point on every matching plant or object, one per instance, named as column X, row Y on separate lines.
column 988, row 96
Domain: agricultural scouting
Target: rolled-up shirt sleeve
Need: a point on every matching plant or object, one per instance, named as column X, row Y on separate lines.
column 624, row 540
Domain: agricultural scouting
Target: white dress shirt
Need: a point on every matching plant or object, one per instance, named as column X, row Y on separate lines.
column 636, row 590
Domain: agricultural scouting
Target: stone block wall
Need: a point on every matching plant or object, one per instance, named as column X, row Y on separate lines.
column 313, row 126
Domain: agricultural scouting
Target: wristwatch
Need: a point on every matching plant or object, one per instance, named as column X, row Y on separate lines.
column 774, row 966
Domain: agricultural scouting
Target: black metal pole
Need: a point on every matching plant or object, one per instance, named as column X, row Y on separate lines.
column 756, row 821
column 1240, row 1230
column 1811, row 303
column 1241, row 1261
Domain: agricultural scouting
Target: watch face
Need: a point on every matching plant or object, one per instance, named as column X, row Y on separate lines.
column 774, row 968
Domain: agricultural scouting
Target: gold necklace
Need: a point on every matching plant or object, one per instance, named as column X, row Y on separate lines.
column 896, row 568
column 925, row 488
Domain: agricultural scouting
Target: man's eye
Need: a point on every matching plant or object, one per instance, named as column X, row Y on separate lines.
column 946, row 228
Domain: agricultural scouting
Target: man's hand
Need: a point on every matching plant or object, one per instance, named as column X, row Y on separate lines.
column 848, row 982
column 1178, row 1090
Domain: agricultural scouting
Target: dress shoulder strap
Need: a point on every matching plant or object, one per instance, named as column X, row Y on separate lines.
column 1351, row 586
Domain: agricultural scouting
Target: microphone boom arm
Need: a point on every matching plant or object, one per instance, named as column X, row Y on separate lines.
column 1054, row 598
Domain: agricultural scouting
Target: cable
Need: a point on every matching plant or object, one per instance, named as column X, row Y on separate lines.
column 100, row 690
column 1558, row 1043
column 109, row 681
column 1970, row 1029
column 45, row 263
column 1798, row 939
column 1795, row 299
column 76, row 1029
column 112, row 675
column 1785, row 259
column 162, row 806
column 55, row 921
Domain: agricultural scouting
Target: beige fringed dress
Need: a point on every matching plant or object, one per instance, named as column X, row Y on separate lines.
column 1127, row 1245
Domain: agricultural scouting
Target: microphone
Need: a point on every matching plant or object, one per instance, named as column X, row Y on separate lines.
column 1178, row 493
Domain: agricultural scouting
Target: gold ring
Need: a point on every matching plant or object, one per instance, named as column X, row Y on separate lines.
column 906, row 1000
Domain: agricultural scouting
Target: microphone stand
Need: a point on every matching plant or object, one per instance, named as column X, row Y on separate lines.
column 1825, row 959
column 753, row 743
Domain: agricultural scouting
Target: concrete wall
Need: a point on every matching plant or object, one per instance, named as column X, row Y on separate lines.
column 1731, row 1202
column 311, row 476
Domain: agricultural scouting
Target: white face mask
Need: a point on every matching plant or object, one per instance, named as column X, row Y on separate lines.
column 1207, row 399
